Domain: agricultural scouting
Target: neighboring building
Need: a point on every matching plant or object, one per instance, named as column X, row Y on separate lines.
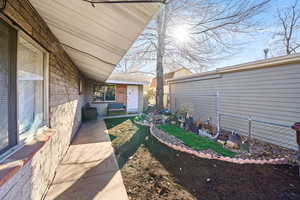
column 124, row 88
column 49, row 52
column 181, row 72
column 267, row 90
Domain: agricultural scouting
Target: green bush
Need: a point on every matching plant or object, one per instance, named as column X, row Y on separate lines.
column 141, row 117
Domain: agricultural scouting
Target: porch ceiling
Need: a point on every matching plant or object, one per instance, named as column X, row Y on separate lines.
column 96, row 38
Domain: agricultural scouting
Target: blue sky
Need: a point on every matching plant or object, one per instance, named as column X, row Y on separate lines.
column 253, row 50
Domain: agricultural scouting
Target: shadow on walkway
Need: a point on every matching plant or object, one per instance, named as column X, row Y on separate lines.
column 89, row 169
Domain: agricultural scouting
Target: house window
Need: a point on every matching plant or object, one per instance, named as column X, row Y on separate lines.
column 23, row 87
column 104, row 92
column 31, row 90
column 4, row 84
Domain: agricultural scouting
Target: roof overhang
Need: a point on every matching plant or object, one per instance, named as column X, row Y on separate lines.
column 95, row 37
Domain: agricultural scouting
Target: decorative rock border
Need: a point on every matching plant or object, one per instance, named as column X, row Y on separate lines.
column 276, row 161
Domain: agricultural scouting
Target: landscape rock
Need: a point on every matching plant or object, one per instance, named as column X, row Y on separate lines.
column 221, row 142
column 232, row 145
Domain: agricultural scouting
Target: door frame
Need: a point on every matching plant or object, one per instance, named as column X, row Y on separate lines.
column 128, row 98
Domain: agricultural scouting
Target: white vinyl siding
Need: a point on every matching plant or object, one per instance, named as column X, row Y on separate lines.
column 268, row 94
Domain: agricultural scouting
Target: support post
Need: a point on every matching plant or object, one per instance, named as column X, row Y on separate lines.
column 218, row 113
column 249, row 133
column 250, row 128
column 296, row 127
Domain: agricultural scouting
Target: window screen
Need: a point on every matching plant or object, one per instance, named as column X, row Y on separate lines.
column 30, row 86
column 4, row 86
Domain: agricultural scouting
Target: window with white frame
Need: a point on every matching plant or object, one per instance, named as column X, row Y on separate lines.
column 23, row 86
column 31, row 86
column 104, row 93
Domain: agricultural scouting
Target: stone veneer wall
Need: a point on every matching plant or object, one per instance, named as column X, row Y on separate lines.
column 31, row 178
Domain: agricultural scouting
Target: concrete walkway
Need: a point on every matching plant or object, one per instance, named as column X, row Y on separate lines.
column 89, row 169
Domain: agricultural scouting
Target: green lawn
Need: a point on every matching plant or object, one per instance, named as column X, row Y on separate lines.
column 194, row 141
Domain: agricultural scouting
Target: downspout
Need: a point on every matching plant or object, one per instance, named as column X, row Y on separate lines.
column 204, row 133
column 218, row 118
column 296, row 127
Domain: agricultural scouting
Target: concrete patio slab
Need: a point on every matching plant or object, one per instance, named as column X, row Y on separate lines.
column 89, row 170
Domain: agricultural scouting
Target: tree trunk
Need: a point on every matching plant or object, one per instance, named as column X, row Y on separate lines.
column 161, row 30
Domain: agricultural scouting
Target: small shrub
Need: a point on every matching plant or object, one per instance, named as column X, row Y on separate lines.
column 141, row 117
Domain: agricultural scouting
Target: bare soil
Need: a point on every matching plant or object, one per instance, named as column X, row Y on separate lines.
column 146, row 178
column 153, row 171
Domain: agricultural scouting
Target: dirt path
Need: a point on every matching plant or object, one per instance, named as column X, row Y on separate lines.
column 153, row 171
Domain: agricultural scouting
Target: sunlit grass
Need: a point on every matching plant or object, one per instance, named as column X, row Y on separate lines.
column 194, row 141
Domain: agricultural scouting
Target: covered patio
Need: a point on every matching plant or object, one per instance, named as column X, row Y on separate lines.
column 96, row 36
column 55, row 48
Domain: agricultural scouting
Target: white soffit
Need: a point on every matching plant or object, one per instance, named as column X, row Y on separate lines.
column 96, row 38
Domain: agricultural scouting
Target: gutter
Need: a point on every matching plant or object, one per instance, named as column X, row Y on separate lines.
column 125, row 82
column 196, row 77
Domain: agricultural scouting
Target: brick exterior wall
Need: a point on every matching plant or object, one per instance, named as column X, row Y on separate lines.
column 33, row 178
column 121, row 94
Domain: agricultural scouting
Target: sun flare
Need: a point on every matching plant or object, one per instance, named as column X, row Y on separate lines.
column 181, row 34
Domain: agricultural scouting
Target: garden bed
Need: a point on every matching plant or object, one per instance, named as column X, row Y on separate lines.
column 155, row 171
column 182, row 140
column 226, row 145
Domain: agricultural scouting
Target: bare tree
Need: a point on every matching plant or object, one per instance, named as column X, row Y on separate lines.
column 161, row 30
column 289, row 32
column 192, row 32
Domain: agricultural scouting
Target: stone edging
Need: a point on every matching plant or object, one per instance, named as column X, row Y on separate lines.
column 276, row 161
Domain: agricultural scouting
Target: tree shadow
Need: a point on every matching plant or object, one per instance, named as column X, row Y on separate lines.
column 213, row 179
column 112, row 137
column 129, row 148
column 124, row 151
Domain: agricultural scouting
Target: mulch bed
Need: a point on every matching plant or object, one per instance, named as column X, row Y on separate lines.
column 213, row 179
column 264, row 150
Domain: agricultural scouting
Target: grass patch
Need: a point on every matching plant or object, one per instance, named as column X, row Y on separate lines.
column 121, row 130
column 194, row 141
column 110, row 123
